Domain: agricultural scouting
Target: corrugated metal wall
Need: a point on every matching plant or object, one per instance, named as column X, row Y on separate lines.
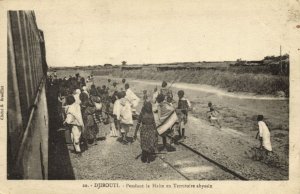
column 27, row 106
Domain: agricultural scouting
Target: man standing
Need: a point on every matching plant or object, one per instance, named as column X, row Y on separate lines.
column 132, row 98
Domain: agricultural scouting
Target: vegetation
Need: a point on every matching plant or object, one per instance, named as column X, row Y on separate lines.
column 258, row 83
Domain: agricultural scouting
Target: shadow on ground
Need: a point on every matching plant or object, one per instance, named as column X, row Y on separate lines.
column 59, row 167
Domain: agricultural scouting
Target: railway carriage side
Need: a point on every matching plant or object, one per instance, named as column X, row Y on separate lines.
column 27, row 120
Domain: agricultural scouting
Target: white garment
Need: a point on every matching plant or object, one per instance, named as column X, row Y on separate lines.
column 76, row 96
column 117, row 109
column 265, row 134
column 155, row 94
column 73, row 115
column 132, row 98
column 125, row 112
column 75, row 137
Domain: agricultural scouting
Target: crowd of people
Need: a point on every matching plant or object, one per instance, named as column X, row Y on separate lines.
column 85, row 108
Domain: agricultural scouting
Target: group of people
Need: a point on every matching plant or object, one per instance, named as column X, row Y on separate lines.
column 84, row 107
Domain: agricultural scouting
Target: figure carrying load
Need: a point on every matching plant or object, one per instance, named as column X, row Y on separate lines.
column 165, row 117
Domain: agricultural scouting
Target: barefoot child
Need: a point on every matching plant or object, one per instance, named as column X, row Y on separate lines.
column 183, row 107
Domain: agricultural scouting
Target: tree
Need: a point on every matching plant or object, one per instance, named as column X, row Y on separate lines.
column 124, row 62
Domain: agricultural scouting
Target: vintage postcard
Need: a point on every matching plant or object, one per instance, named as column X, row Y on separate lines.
column 149, row 96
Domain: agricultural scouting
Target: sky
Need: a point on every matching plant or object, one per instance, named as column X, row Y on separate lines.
column 142, row 32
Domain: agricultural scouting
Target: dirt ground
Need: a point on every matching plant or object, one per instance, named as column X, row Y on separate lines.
column 239, row 128
column 112, row 160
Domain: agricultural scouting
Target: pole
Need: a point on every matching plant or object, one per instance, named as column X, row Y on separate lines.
column 280, row 61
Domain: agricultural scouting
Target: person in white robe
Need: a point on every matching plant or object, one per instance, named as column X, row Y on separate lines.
column 74, row 120
column 132, row 98
column 76, row 96
column 264, row 134
column 126, row 121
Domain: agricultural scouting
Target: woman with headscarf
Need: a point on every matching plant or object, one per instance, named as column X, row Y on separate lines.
column 148, row 134
column 98, row 118
column 88, row 110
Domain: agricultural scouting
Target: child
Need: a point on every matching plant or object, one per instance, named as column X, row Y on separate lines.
column 264, row 135
column 183, row 107
column 115, row 119
column 213, row 114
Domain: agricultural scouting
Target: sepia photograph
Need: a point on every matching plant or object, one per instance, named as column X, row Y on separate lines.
column 195, row 91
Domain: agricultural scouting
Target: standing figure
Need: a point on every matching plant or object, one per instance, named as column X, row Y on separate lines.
column 148, row 133
column 84, row 90
column 123, row 84
column 164, row 110
column 116, row 114
column 88, row 111
column 76, row 95
column 75, row 121
column 145, row 95
column 126, row 121
column 183, row 108
column 132, row 98
column 264, row 135
column 98, row 118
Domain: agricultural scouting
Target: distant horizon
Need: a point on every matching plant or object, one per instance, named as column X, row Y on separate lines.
column 120, row 64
